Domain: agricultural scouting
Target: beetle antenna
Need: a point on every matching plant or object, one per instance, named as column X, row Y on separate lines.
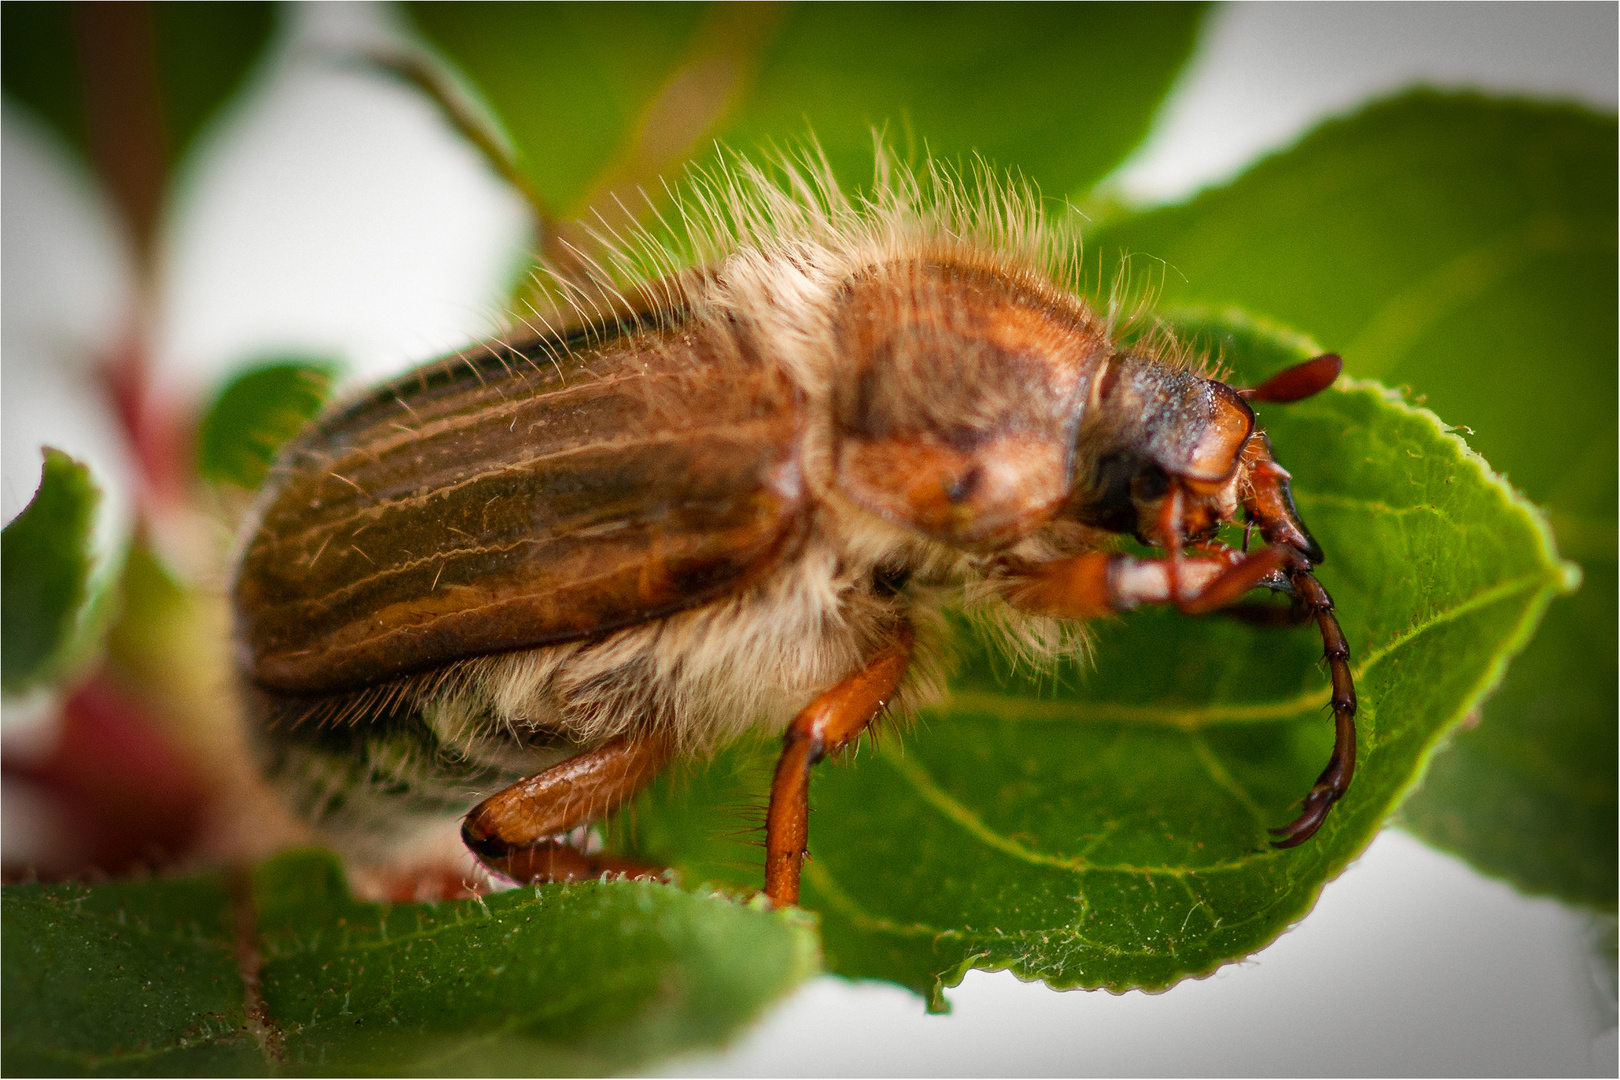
column 1298, row 382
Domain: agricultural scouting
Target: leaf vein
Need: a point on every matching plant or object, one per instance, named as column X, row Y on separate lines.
column 1191, row 717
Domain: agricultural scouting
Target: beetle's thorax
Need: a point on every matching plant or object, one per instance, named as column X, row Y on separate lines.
column 956, row 397
column 974, row 405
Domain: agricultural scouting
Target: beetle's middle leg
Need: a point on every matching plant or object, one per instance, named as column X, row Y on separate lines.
column 825, row 726
column 513, row 831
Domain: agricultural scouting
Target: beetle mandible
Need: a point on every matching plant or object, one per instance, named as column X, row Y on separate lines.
column 511, row 586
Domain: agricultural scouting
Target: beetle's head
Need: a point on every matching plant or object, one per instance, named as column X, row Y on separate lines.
column 1164, row 448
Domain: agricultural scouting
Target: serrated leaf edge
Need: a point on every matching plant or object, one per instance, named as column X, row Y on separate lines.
column 1562, row 576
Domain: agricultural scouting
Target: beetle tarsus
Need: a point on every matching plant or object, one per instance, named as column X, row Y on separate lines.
column 556, row 861
column 1335, row 779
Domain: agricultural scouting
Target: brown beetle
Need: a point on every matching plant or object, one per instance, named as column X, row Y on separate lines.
column 521, row 580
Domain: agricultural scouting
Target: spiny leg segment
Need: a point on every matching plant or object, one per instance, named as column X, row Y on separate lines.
column 1335, row 779
column 1097, row 584
column 825, row 726
column 514, row 831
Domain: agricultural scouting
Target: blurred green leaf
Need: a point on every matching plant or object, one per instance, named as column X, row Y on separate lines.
column 204, row 53
column 1106, row 827
column 200, row 53
column 130, row 86
column 39, row 66
column 1466, row 248
column 142, row 978
column 568, row 82
column 52, row 604
column 261, row 408
column 1062, row 92
column 612, row 97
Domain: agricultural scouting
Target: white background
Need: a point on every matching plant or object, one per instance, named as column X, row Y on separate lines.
column 334, row 214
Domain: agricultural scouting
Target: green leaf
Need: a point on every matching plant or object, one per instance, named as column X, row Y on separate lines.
column 606, row 97
column 1529, row 794
column 39, row 66
column 143, row 978
column 130, row 86
column 261, row 408
column 1060, row 91
column 204, row 53
column 1106, row 827
column 128, row 979
column 198, row 55
column 1465, row 248
column 54, row 581
column 569, row 82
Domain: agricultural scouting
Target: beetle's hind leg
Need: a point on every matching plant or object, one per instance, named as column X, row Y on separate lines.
column 514, row 832
column 825, row 726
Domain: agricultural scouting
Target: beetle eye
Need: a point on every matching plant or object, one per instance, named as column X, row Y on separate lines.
column 1149, row 483
column 1123, row 482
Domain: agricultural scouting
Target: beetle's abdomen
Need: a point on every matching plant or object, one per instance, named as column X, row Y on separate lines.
column 501, row 501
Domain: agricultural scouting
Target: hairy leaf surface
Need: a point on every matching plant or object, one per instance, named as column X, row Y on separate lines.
column 145, row 978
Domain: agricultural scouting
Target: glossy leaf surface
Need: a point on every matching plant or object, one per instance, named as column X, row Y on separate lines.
column 143, row 978
column 1466, row 249
column 1105, row 827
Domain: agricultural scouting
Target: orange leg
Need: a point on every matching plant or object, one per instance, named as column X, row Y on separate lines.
column 513, row 831
column 825, row 726
column 1098, row 584
column 1089, row 586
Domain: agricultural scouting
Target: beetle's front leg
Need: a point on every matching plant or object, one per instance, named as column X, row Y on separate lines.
column 1097, row 584
column 513, row 831
column 825, row 726
column 1089, row 586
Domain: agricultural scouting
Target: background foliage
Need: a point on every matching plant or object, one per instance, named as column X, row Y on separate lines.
column 1102, row 828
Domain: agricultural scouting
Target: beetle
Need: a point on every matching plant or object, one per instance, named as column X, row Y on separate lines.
column 512, row 585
